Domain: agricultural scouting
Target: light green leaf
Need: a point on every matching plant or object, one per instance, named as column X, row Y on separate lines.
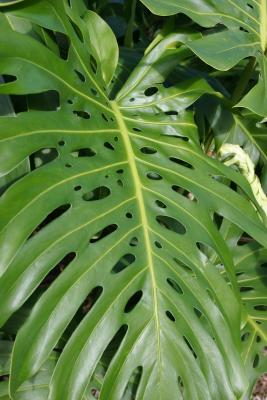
column 104, row 42
column 251, row 268
column 121, row 217
column 246, row 35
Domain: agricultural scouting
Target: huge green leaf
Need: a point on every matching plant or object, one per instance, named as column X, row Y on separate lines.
column 246, row 35
column 119, row 220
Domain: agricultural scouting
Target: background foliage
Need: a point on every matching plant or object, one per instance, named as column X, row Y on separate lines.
column 133, row 261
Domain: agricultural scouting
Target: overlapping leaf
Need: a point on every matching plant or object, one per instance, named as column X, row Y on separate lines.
column 123, row 212
column 246, row 35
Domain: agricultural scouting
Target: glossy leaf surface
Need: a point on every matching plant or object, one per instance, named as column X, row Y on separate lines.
column 245, row 35
column 122, row 214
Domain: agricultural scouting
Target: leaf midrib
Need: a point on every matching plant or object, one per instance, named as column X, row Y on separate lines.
column 143, row 215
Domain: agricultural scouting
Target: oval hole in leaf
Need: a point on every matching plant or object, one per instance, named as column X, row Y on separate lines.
column 261, row 307
column 148, row 150
column 197, row 312
column 256, row 361
column 154, row 176
column 133, row 241
column 151, row 91
column 125, row 261
column 171, row 224
column 133, row 384
column 53, row 215
column 93, row 64
column 181, row 162
column 170, row 316
column 190, row 346
column 246, row 289
column 133, row 301
column 109, row 146
column 160, row 204
column 184, row 138
column 99, row 193
column 8, row 79
column 91, row 299
column 245, row 336
column 172, row 112
column 175, row 286
column 110, row 350
column 77, row 30
column 80, row 75
column 57, row 269
column 182, row 265
column 82, row 114
column 85, row 152
column 103, row 233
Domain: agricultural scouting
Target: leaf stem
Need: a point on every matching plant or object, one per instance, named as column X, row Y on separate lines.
column 243, row 81
column 128, row 40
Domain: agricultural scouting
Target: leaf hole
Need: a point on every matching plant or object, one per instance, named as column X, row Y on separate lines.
column 94, row 92
column 245, row 336
column 172, row 112
column 109, row 146
column 108, row 230
column 82, row 114
column 160, row 204
column 175, row 286
column 137, row 130
column 183, row 266
column 260, row 307
column 125, row 261
column 134, row 242
column 58, row 269
column 148, row 150
column 133, row 388
column 129, row 215
column 154, row 176
column 85, row 152
column 61, row 143
column 197, row 312
column 190, row 346
column 105, row 118
column 93, row 64
column 158, row 244
column 170, row 316
column 171, row 224
column 80, row 75
column 53, row 215
column 77, row 30
column 98, row 193
column 183, row 138
column 246, row 289
column 181, row 162
column 133, row 301
column 91, row 299
column 256, row 361
column 151, row 91
column 77, row 188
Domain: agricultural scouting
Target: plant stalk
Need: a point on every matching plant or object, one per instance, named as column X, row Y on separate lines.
column 243, row 81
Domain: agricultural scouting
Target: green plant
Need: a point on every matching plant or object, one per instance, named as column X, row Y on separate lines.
column 120, row 248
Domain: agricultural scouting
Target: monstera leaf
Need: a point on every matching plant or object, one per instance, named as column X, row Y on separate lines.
column 250, row 264
column 115, row 227
column 250, row 261
column 37, row 387
column 245, row 35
